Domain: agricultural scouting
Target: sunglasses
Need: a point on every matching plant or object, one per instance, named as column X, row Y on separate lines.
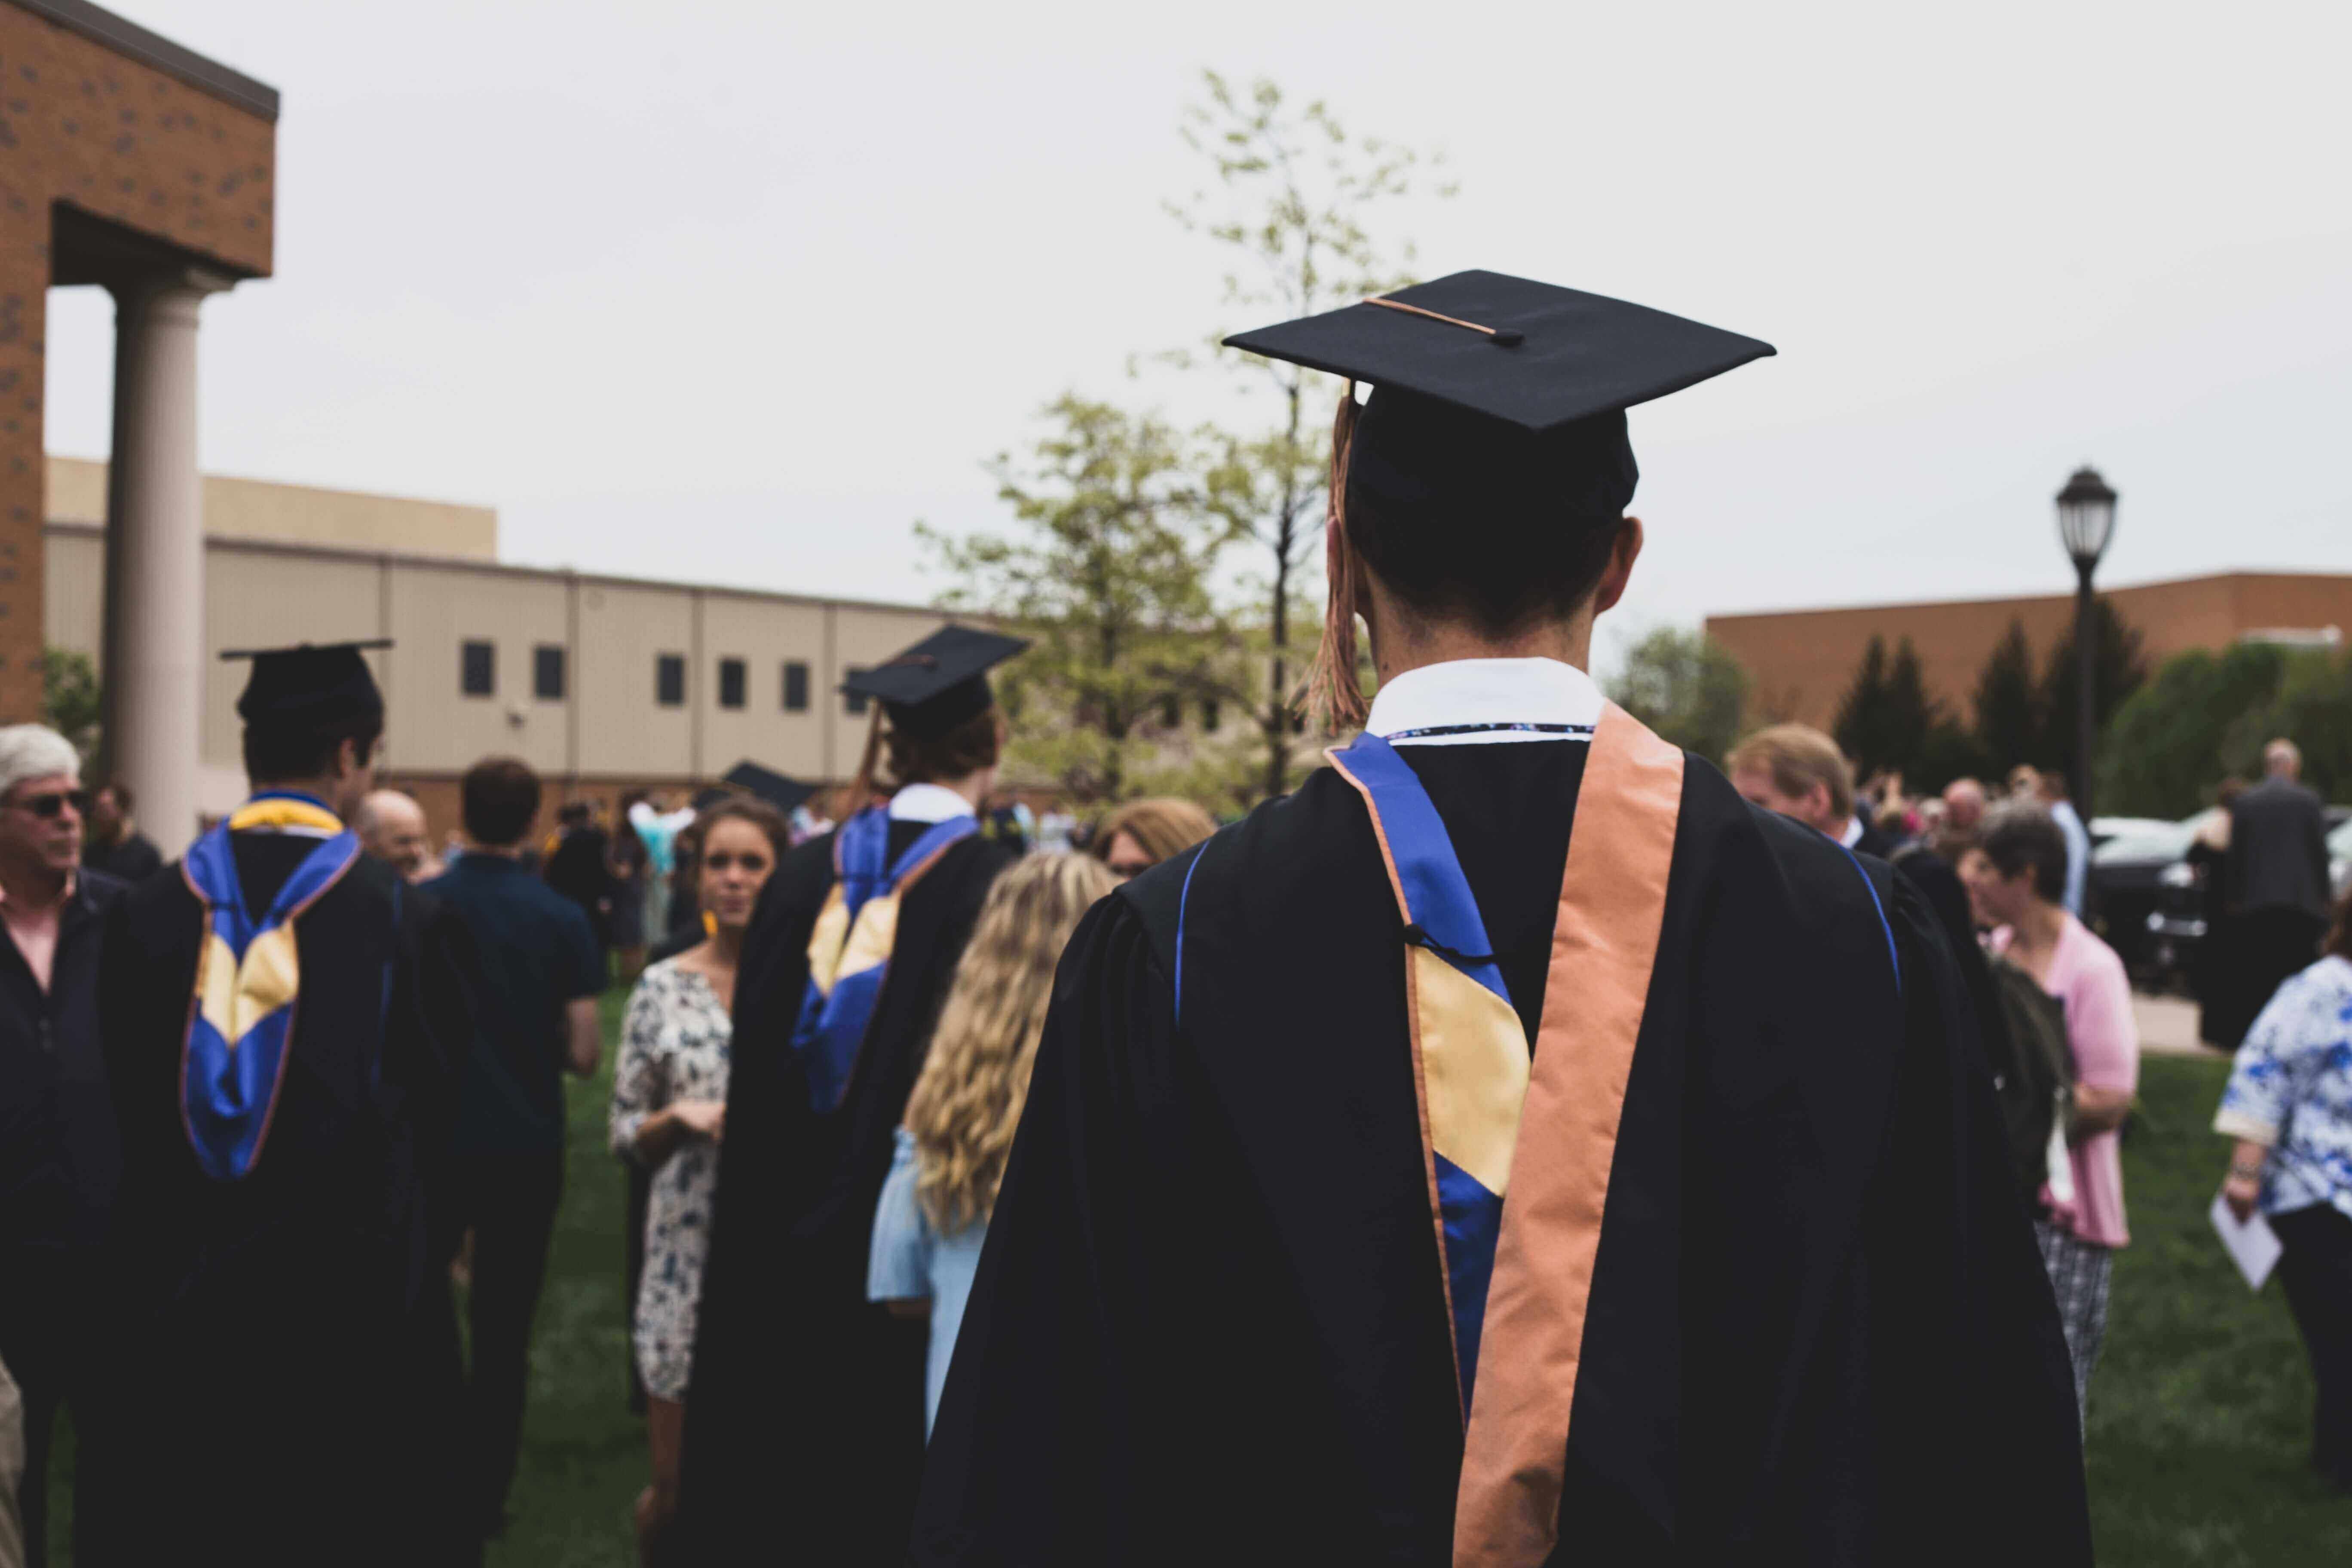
column 53, row 804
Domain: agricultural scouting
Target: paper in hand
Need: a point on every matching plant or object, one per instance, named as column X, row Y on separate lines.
column 2254, row 1245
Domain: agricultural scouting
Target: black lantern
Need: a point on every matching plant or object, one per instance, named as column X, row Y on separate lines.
column 2086, row 526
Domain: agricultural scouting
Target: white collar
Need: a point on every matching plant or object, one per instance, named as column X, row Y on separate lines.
column 1476, row 698
column 1853, row 834
column 927, row 803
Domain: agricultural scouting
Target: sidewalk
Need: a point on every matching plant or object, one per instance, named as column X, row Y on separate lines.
column 2167, row 1027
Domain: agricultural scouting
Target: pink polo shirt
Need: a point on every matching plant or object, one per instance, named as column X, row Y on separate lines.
column 2086, row 975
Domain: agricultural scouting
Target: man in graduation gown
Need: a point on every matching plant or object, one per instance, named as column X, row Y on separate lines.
column 1513, row 1148
column 805, row 1418
column 282, row 1022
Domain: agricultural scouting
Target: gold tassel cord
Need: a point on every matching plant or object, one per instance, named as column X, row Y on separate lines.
column 1335, row 698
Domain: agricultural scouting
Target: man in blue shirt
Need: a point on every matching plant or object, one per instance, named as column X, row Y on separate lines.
column 540, row 971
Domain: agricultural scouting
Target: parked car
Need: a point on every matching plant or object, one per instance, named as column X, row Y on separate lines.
column 2145, row 894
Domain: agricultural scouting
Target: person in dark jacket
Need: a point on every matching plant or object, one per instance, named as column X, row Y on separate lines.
column 579, row 867
column 284, row 1024
column 2275, row 894
column 111, row 840
column 59, row 1156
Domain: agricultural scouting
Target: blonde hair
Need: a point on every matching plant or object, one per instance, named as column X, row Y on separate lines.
column 1160, row 827
column 1797, row 756
column 968, row 1100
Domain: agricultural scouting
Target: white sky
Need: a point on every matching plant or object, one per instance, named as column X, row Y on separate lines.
column 734, row 292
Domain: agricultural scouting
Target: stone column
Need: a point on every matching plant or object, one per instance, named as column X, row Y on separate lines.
column 154, row 630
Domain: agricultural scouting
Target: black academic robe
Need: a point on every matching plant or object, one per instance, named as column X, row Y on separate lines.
column 1209, row 1324
column 273, row 1392
column 805, row 1418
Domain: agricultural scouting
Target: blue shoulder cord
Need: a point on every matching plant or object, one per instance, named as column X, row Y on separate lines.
column 1894, row 957
column 1182, row 898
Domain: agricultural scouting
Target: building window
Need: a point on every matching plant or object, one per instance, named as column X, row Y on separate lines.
column 478, row 669
column 669, row 680
column 730, row 683
column 1212, row 714
column 1171, row 712
column 547, row 672
column 795, row 687
column 854, row 702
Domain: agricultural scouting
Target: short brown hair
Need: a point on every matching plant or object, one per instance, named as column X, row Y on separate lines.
column 1797, row 756
column 1160, row 827
column 741, row 808
column 498, row 800
column 965, row 750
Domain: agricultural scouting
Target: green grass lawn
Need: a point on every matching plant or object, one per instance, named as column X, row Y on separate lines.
column 2199, row 1411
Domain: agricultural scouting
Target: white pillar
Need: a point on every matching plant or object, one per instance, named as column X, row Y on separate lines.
column 154, row 632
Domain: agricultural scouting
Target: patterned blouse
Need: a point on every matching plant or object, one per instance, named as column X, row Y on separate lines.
column 2292, row 1090
column 674, row 1046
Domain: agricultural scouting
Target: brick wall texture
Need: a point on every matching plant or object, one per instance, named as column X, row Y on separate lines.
column 1801, row 662
column 84, row 126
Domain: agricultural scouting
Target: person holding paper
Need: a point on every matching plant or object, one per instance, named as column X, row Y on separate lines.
column 2289, row 1106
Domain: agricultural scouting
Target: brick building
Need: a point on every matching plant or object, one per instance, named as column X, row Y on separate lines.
column 1801, row 662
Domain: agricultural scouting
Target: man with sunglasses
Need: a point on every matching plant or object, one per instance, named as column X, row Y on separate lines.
column 59, row 1156
column 284, row 1025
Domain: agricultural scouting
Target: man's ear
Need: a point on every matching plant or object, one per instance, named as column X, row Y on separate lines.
column 1619, row 570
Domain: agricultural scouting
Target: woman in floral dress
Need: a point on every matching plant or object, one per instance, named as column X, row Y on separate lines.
column 669, row 1111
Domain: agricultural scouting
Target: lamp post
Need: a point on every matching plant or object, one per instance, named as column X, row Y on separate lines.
column 2086, row 523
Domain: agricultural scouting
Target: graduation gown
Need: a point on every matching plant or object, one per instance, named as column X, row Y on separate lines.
column 1212, row 1323
column 805, row 1419
column 272, row 1404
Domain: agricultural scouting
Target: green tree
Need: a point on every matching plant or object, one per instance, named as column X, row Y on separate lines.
column 1290, row 204
column 1910, row 715
column 2313, row 708
column 71, row 697
column 1109, row 568
column 1685, row 686
column 1860, row 727
column 2166, row 747
column 2119, row 668
column 2008, row 705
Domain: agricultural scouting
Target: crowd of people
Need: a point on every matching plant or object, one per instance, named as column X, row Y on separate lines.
column 1522, row 1138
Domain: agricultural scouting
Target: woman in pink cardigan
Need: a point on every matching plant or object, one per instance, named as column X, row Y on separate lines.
column 2016, row 877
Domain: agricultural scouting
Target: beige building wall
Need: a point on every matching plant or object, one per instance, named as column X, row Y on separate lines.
column 624, row 631
column 296, row 514
column 765, row 636
column 606, row 732
column 431, row 725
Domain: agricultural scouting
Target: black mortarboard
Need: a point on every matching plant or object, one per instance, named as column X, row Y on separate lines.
column 1499, row 396
column 761, row 784
column 936, row 685
column 311, row 685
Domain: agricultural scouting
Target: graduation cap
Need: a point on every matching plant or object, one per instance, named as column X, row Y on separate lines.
column 315, row 687
column 748, row 778
column 1498, row 395
column 929, row 689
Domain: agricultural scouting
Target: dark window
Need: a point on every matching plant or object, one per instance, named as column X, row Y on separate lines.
column 669, row 680
column 853, row 702
column 478, row 669
column 1171, row 712
column 795, row 687
column 1211, row 714
column 730, row 683
column 547, row 672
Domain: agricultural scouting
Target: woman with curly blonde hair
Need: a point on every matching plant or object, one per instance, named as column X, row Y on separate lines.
column 934, row 1209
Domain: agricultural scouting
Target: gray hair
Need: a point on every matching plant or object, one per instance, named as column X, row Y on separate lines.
column 35, row 751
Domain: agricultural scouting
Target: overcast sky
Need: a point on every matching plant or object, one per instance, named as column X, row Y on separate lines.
column 735, row 293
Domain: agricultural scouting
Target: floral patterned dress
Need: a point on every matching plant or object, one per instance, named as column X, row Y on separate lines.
column 2291, row 1088
column 674, row 1046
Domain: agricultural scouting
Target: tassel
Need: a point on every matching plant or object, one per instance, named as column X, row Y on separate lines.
column 1335, row 698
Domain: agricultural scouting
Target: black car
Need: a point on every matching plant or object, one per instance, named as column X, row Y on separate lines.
column 2153, row 903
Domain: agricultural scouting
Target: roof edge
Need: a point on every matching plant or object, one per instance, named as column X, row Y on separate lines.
column 133, row 42
column 2067, row 596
